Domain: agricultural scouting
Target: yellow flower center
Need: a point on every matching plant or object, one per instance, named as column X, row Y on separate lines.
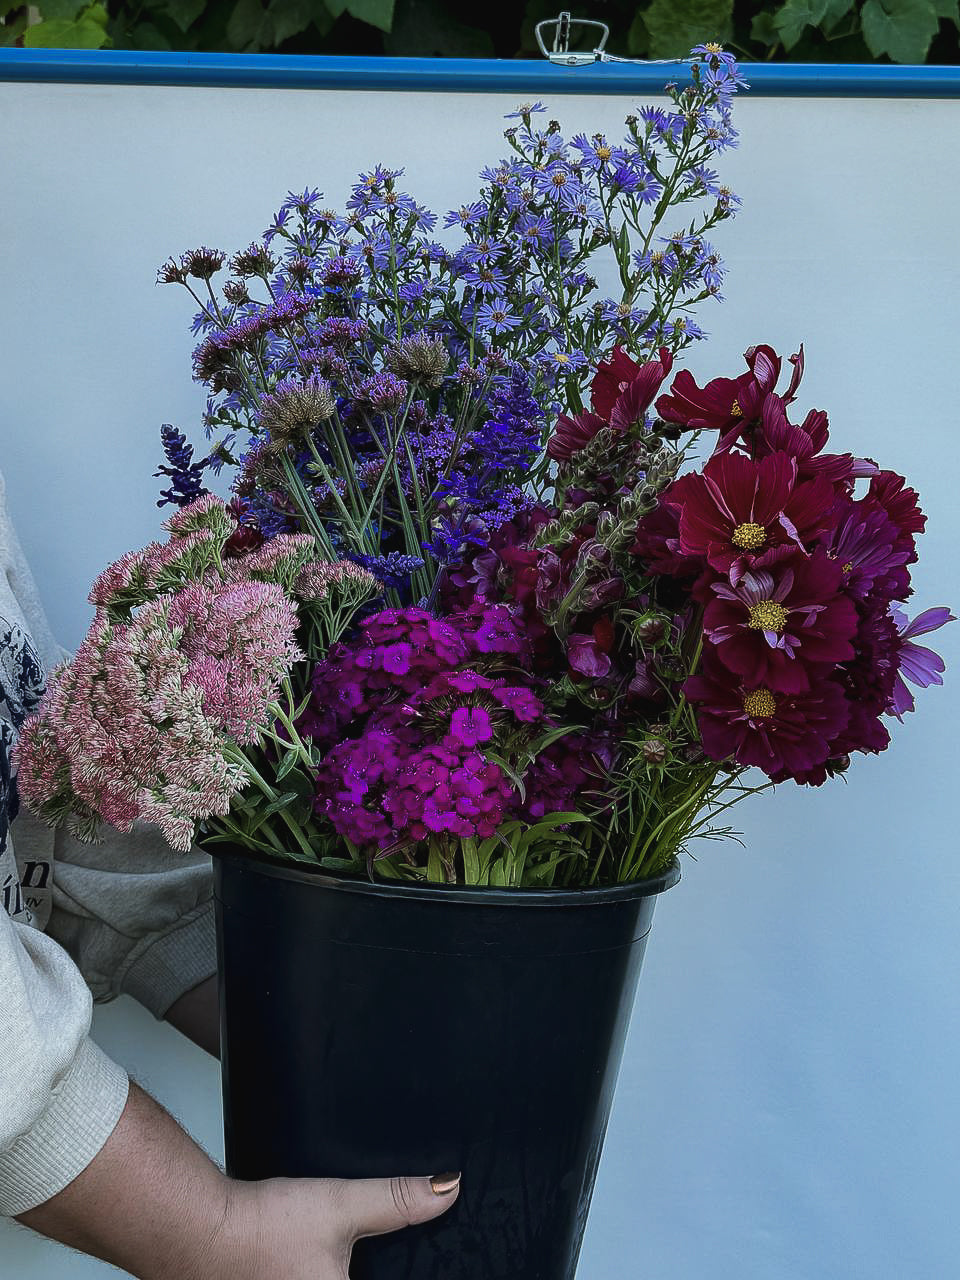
column 759, row 703
column 767, row 615
column 848, row 567
column 711, row 46
column 735, row 410
column 604, row 152
column 749, row 536
column 561, row 357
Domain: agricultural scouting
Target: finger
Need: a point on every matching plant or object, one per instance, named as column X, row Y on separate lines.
column 376, row 1205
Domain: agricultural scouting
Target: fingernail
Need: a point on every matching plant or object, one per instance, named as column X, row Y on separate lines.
column 444, row 1183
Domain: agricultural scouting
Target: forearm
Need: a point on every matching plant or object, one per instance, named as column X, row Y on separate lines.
column 151, row 1202
column 197, row 1016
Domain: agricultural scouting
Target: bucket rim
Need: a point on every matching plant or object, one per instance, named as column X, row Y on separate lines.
column 476, row 895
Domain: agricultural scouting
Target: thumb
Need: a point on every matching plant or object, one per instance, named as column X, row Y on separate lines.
column 376, row 1205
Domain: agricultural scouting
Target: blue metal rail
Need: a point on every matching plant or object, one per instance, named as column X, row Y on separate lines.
column 457, row 75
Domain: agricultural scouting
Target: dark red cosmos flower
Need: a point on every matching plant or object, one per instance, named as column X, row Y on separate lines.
column 900, row 503
column 247, row 535
column 618, row 402
column 612, row 378
column 619, row 374
column 772, row 629
column 571, row 434
column 804, row 443
column 727, row 405
column 739, row 514
column 785, row 734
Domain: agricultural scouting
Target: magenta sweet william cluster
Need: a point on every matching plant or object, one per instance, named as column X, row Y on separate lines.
column 407, row 713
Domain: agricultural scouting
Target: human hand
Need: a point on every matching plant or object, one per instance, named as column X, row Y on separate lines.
column 305, row 1229
column 152, row 1203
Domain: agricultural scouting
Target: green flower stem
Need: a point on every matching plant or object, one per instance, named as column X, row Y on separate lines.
column 638, row 868
column 338, row 501
column 307, row 510
column 235, row 754
column 295, row 740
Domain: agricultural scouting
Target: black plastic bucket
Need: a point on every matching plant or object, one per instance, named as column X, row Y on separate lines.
column 379, row 1029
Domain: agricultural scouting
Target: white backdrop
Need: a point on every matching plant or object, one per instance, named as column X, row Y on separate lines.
column 788, row 1104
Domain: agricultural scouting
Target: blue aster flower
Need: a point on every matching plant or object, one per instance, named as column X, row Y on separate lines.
column 524, row 110
column 495, row 316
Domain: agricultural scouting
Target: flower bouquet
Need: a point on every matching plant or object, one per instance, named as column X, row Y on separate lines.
column 473, row 652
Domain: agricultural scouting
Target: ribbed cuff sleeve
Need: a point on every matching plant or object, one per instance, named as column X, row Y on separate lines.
column 83, row 1112
column 175, row 963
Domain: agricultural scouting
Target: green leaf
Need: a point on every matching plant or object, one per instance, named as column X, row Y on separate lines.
column 51, row 9
column 281, row 802
column 378, row 13
column 339, row 864
column 901, row 29
column 432, row 29
column 836, row 9
column 336, row 7
column 762, row 29
column 87, row 33
column 249, row 27
column 288, row 762
column 949, row 9
column 471, row 861
column 10, row 32
column 792, row 19
column 290, row 17
column 545, row 827
column 184, row 12
column 675, row 26
column 638, row 37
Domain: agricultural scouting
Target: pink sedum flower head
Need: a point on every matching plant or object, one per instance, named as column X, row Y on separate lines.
column 239, row 643
column 121, row 736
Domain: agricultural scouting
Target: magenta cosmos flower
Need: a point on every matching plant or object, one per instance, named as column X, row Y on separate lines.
column 739, row 515
column 785, row 734
column 770, row 628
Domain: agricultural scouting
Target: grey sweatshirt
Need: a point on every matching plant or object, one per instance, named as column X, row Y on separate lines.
column 135, row 917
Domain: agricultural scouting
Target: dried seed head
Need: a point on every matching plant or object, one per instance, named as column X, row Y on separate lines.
column 419, row 358
column 235, row 291
column 255, row 260
column 292, row 408
column 172, row 272
column 654, row 750
column 203, row 263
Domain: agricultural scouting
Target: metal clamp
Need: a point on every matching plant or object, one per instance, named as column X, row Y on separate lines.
column 560, row 52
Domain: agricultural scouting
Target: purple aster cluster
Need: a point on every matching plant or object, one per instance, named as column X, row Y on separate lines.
column 367, row 304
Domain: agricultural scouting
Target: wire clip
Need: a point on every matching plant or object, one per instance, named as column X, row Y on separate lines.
column 560, row 53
